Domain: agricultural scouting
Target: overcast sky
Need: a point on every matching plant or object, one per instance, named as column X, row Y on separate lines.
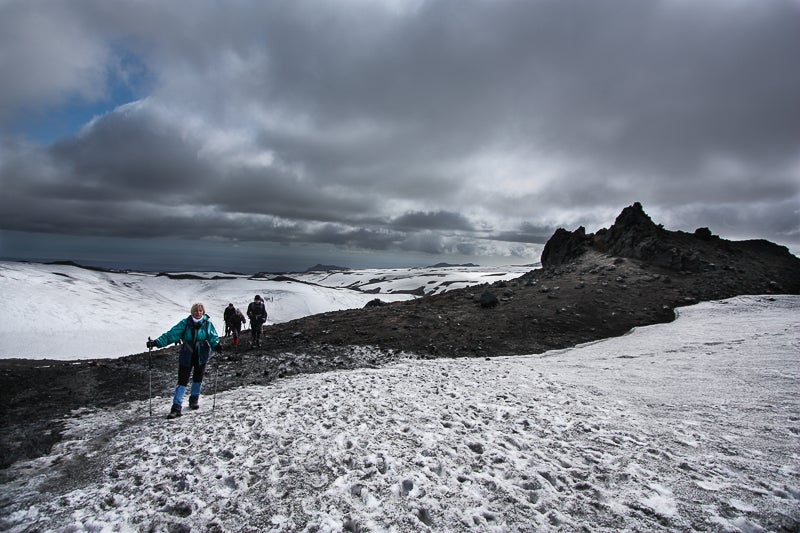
column 277, row 134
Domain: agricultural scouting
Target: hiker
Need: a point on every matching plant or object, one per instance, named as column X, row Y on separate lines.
column 198, row 337
column 257, row 313
column 235, row 323
column 227, row 316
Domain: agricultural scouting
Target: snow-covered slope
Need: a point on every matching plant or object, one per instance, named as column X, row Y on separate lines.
column 691, row 425
column 432, row 280
column 65, row 312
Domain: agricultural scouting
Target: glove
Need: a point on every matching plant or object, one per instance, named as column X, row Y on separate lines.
column 152, row 344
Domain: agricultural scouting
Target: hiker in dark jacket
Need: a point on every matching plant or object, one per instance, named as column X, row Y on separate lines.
column 257, row 313
column 235, row 323
column 228, row 315
column 198, row 337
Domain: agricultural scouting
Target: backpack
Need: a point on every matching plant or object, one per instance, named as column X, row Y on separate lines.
column 257, row 311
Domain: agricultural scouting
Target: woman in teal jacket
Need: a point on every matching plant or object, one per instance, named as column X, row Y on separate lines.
column 198, row 337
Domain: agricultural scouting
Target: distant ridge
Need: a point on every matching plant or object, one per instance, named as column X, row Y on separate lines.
column 449, row 265
column 325, row 268
column 192, row 276
column 85, row 267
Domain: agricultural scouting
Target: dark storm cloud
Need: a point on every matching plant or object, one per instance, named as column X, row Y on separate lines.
column 438, row 126
column 367, row 238
column 439, row 220
column 130, row 155
column 527, row 233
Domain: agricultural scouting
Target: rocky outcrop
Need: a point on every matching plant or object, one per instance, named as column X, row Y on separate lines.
column 634, row 235
column 564, row 246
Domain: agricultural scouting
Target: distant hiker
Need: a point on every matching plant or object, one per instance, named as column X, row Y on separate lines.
column 235, row 324
column 198, row 337
column 228, row 315
column 257, row 313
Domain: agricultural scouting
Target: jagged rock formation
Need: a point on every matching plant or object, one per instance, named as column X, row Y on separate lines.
column 634, row 235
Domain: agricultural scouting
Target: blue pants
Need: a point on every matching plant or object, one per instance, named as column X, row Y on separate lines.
column 183, row 381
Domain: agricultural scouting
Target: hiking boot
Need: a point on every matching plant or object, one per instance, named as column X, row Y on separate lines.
column 194, row 402
column 175, row 412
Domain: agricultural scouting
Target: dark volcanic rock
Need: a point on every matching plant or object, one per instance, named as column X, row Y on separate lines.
column 564, row 246
column 634, row 235
column 592, row 286
column 488, row 299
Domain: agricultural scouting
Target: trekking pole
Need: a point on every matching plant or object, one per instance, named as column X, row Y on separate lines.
column 150, row 374
column 216, row 375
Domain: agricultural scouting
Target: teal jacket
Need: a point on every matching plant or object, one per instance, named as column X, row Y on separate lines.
column 201, row 339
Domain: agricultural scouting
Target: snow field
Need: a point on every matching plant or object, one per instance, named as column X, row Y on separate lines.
column 433, row 279
column 91, row 314
column 693, row 425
